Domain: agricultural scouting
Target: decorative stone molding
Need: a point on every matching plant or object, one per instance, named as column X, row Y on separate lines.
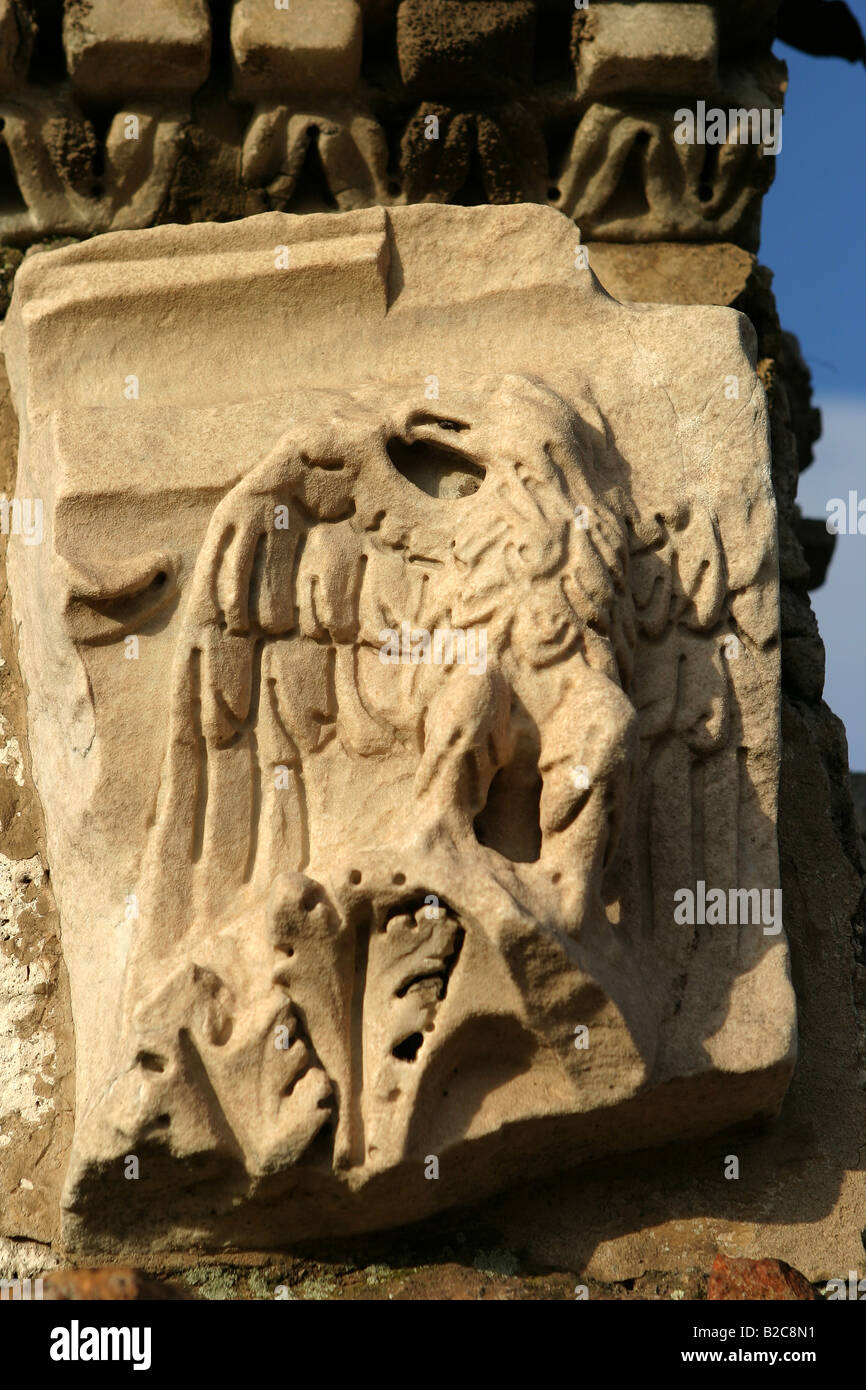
column 328, row 105
column 54, row 153
column 626, row 178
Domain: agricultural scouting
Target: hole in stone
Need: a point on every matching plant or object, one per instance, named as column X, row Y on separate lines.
column 551, row 54
column 553, row 194
column 510, row 822
column 399, row 878
column 477, row 184
column 457, row 425
column 48, row 63
column 11, row 199
column 559, row 136
column 150, row 1061
column 355, row 876
column 100, row 119
column 629, row 199
column 312, row 191
column 163, row 1121
column 408, row 1049
column 709, row 172
column 159, row 579
column 435, row 469
column 220, row 74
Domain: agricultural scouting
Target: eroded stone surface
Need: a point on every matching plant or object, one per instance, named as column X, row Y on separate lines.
column 448, row 45
column 118, row 51
column 298, row 48
column 147, row 118
column 626, row 176
column 646, row 47
column 341, row 909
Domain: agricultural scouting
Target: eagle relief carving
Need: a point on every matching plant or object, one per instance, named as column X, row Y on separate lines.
column 451, row 701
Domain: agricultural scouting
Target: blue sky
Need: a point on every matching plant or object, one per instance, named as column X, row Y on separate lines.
column 814, row 240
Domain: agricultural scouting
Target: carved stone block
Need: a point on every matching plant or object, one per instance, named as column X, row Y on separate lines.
column 311, row 46
column 497, row 155
column 625, row 177
column 115, row 51
column 55, row 155
column 465, row 46
column 646, row 48
column 402, row 654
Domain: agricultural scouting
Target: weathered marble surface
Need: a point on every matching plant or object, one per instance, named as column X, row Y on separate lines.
column 328, row 917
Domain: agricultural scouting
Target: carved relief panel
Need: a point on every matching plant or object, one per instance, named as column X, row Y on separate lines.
column 403, row 679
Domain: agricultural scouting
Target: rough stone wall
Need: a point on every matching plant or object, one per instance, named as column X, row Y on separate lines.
column 201, row 112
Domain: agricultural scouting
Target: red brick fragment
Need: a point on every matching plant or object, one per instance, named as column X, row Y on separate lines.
column 757, row 1279
column 110, row 1282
